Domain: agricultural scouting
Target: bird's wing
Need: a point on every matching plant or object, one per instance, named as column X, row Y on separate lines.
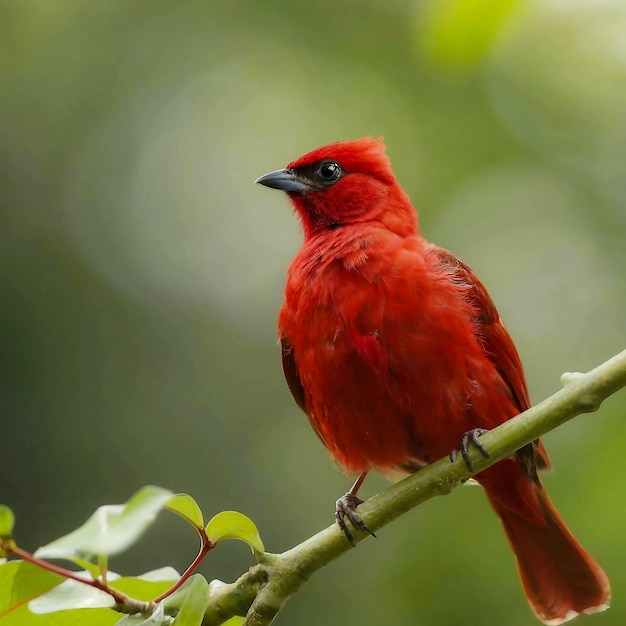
column 290, row 370
column 495, row 339
column 292, row 376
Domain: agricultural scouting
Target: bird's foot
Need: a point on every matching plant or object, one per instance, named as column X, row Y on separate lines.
column 471, row 436
column 345, row 509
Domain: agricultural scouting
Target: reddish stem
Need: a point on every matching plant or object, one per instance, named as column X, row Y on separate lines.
column 119, row 597
column 205, row 548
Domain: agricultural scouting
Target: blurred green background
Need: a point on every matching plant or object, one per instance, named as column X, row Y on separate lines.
column 141, row 270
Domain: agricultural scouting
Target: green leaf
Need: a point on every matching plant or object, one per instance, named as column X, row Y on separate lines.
column 80, row 617
column 460, row 33
column 88, row 566
column 186, row 507
column 8, row 571
column 7, row 521
column 32, row 581
column 191, row 600
column 71, row 594
column 21, row 581
column 235, row 621
column 234, row 525
column 112, row 528
column 149, row 585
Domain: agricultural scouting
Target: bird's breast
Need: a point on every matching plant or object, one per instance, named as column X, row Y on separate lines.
column 385, row 353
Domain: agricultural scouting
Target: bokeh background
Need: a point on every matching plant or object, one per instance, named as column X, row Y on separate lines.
column 141, row 270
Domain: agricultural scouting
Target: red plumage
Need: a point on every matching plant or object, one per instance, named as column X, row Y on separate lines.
column 394, row 349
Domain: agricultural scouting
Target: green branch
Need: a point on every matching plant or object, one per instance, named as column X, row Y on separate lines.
column 264, row 589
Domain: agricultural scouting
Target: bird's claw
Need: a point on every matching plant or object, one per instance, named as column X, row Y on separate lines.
column 471, row 436
column 345, row 509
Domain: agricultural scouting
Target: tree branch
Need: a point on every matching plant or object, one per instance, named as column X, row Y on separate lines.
column 264, row 590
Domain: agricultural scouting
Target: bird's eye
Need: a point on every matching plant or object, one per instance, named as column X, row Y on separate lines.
column 329, row 172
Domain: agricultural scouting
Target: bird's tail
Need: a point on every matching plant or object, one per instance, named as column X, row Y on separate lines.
column 560, row 578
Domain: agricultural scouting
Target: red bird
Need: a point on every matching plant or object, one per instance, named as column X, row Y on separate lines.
column 396, row 353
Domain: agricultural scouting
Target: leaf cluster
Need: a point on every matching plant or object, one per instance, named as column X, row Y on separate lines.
column 32, row 585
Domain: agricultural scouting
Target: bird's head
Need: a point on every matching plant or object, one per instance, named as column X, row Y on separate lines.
column 345, row 183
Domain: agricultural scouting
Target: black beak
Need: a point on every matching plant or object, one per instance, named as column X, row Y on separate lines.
column 285, row 180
